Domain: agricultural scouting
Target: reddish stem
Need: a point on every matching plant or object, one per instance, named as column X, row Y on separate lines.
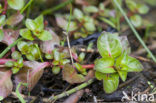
column 3, row 61
column 88, row 66
column 5, row 7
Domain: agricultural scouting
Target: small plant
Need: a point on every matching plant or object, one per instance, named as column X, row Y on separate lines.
column 35, row 28
column 15, row 65
column 29, row 49
column 59, row 59
column 115, row 61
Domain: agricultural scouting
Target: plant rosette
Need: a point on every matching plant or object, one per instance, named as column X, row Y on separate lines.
column 35, row 28
column 115, row 62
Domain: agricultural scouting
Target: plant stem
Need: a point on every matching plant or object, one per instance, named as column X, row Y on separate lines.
column 5, row 7
column 3, row 61
column 25, row 7
column 53, row 98
column 50, row 10
column 88, row 66
column 9, row 47
column 134, row 31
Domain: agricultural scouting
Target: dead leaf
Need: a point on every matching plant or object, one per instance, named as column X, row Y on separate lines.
column 90, row 75
column 15, row 19
column 74, row 97
column 10, row 36
column 6, row 85
column 30, row 73
column 71, row 76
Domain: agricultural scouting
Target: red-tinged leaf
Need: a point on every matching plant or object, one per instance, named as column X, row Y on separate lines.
column 10, row 36
column 71, row 76
column 48, row 46
column 30, row 73
column 6, row 85
column 15, row 19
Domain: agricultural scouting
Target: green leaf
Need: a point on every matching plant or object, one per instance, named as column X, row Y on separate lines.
column 1, row 34
column 39, row 23
column 31, row 24
column 9, row 64
column 109, row 45
column 30, row 57
column 80, row 68
column 56, row 70
column 81, row 56
column 16, row 55
column 20, row 63
column 105, row 65
column 26, row 33
column 15, row 70
column 109, row 22
column 1, row 98
column 123, row 75
column 78, row 14
column 48, row 56
column 64, row 61
column 90, row 9
column 16, row 4
column 90, row 26
column 99, row 75
column 34, row 52
column 128, row 63
column 56, row 55
column 2, row 19
column 110, row 82
column 55, row 62
column 136, row 20
column 142, row 8
column 23, row 47
column 125, row 44
column 45, row 35
column 131, row 5
column 89, row 23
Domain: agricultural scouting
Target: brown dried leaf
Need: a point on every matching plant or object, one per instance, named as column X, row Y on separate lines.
column 30, row 73
column 6, row 85
column 71, row 76
column 74, row 97
column 61, row 22
column 15, row 19
column 48, row 46
column 90, row 75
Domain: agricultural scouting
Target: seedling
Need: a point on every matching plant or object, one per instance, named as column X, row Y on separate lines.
column 15, row 65
column 29, row 50
column 115, row 61
column 35, row 28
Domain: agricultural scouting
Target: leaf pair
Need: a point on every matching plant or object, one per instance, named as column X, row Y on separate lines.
column 115, row 61
column 15, row 65
column 88, row 21
column 29, row 49
column 35, row 28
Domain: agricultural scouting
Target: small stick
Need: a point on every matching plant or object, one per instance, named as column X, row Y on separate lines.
column 71, row 91
column 69, row 47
